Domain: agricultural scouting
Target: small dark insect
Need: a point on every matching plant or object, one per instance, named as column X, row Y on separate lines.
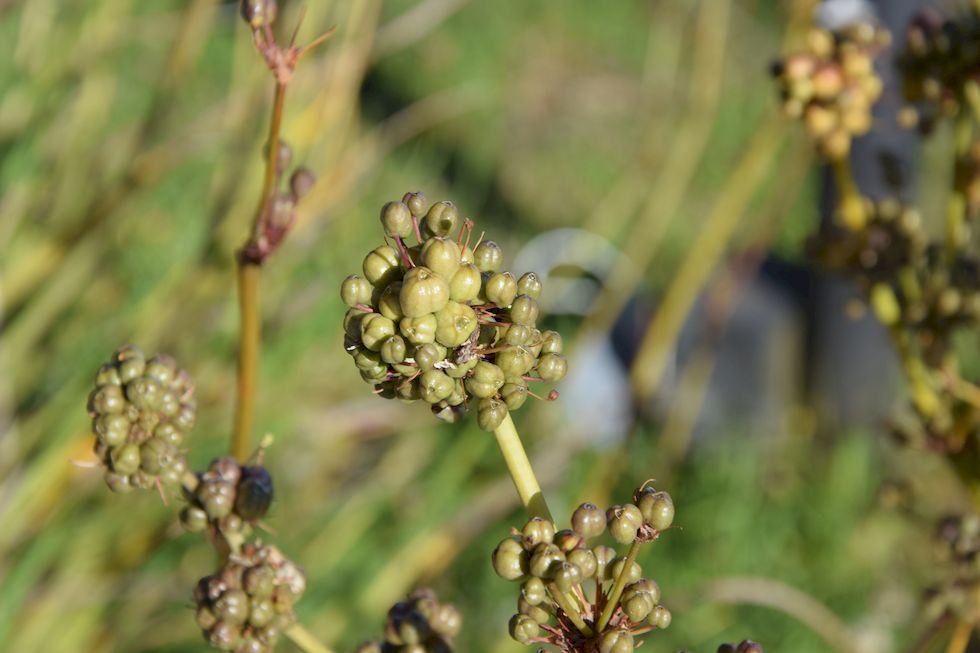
column 254, row 494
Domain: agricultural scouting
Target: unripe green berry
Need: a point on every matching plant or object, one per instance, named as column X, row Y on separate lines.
column 224, row 636
column 217, row 498
column 415, row 202
column 389, row 303
column 566, row 576
column 534, row 591
column 113, row 430
column 488, row 256
column 657, row 509
column 514, row 394
column 423, row 292
column 125, row 459
column 485, row 381
column 522, row 628
column 461, row 370
column 442, row 217
column 382, row 266
column 107, row 375
column 427, row 355
column 537, row 531
column 446, row 620
column 637, row 606
column 623, row 522
column 517, row 334
column 118, row 483
column 205, row 617
column 615, row 568
column 604, row 555
column 660, row 617
column 568, row 540
column 465, row 284
column 393, row 350
column 585, row 560
column 536, row 612
column 435, row 385
column 259, row 581
column 232, row 607
column 524, row 310
column 162, row 369
column 616, row 641
column 107, row 400
column 552, row 367
column 455, row 324
column 356, row 290
column 193, row 519
column 544, row 559
column 510, row 560
column 419, row 330
column 501, row 289
column 490, row 413
column 396, row 218
column 589, row 520
column 551, row 342
column 515, row 361
column 529, row 284
column 375, row 329
column 442, row 256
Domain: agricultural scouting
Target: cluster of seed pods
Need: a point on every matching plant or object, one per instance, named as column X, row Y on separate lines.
column 419, row 624
column 579, row 595
column 228, row 497
column 442, row 323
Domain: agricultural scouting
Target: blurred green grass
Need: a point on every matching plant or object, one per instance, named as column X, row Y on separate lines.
column 124, row 189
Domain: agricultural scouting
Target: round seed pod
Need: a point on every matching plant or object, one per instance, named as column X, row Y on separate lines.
column 442, row 217
column 423, row 292
column 637, row 606
column 657, row 509
column 510, row 560
column 396, row 218
column 394, row 350
column 536, row 612
column 514, row 394
column 485, row 380
column 568, row 540
column 537, row 531
column 566, row 576
column 551, row 342
column 491, row 413
column 529, row 284
column 465, row 285
column 462, row 369
column 552, row 367
column 427, row 355
column 375, row 329
column 435, row 385
column 415, row 202
column 524, row 310
column 543, row 560
column 501, row 289
column 660, row 617
column 259, row 13
column 623, row 522
column 419, row 330
column 588, row 520
column 517, row 334
column 193, row 519
column 382, row 266
column 585, row 560
column 604, row 555
column 455, row 323
column 389, row 303
column 616, row 641
column 615, row 568
column 442, row 256
column 522, row 628
column 488, row 256
column 533, row 591
column 515, row 361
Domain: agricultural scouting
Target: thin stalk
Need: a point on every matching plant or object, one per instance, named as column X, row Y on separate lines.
column 956, row 228
column 850, row 203
column 305, row 641
column 571, row 611
column 249, row 265
column 520, row 469
column 961, row 637
column 617, row 589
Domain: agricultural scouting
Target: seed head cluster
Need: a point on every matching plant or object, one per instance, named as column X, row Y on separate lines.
column 442, row 323
column 554, row 567
column 831, row 85
column 746, row 646
column 141, row 410
column 419, row 624
column 247, row 605
column 229, row 497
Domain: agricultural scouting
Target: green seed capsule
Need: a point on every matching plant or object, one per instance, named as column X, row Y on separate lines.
column 205, row 617
column 524, row 310
column 162, row 369
column 366, row 360
column 616, row 641
column 623, row 522
column 107, row 400
column 446, row 620
column 131, row 368
column 589, row 520
column 217, row 498
column 501, row 289
column 643, row 586
column 375, row 329
column 510, row 560
column 442, row 218
column 567, row 576
column 460, row 370
column 434, row 386
column 615, row 568
column 352, row 323
column 515, row 361
column 523, row 628
column 490, row 414
column 442, row 256
column 193, row 519
column 514, row 394
column 657, row 509
column 517, row 334
column 108, row 374
column 534, row 591
column 259, row 581
column 423, row 292
column 118, row 483
column 427, row 355
column 537, row 531
column 155, row 454
column 224, row 636
column 389, row 304
column 125, row 459
column 382, row 266
column 455, row 324
column 567, row 540
column 544, row 560
column 464, row 287
column 536, row 612
column 637, row 607
column 486, row 379
column 394, row 350
column 113, row 430
column 660, row 617
column 604, row 555
column 529, row 284
column 396, row 218
column 551, row 342
column 552, row 367
column 232, row 607
column 419, row 330
column 488, row 256
column 585, row 560
column 356, row 290
column 144, row 393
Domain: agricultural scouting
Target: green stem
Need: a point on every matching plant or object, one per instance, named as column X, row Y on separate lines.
column 305, row 641
column 248, row 358
column 570, row 610
column 520, row 469
column 851, row 205
column 617, row 588
column 956, row 231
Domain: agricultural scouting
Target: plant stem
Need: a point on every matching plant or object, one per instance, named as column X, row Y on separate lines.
column 570, row 610
column 617, row 588
column 850, row 203
column 956, row 231
column 249, row 265
column 520, row 469
column 305, row 641
column 961, row 637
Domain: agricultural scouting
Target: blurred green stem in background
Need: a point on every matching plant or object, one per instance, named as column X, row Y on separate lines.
column 520, row 470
